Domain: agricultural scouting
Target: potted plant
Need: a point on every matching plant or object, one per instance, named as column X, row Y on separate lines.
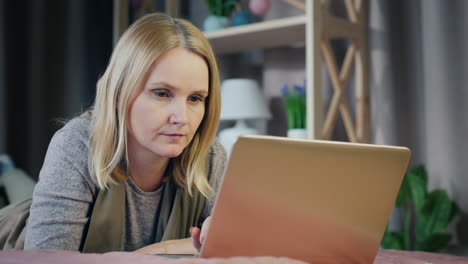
column 425, row 215
column 220, row 11
column 295, row 104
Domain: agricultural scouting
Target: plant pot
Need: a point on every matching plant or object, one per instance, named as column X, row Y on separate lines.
column 240, row 18
column 299, row 133
column 213, row 23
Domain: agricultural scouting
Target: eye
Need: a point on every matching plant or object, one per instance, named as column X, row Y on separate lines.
column 161, row 93
column 196, row 98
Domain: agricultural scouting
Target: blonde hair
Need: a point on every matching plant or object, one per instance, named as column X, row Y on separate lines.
column 143, row 42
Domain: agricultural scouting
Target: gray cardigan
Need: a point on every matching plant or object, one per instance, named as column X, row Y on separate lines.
column 65, row 192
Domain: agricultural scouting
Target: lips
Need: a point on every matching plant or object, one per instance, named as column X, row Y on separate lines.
column 173, row 135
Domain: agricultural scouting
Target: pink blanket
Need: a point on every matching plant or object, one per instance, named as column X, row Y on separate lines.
column 58, row 256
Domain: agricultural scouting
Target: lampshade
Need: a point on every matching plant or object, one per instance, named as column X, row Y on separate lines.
column 241, row 99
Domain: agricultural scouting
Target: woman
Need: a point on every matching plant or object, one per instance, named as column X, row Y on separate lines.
column 141, row 169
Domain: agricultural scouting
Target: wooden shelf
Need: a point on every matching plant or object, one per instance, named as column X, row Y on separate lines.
column 267, row 34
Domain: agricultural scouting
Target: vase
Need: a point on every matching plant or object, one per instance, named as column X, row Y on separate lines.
column 213, row 23
column 240, row 18
column 299, row 133
column 259, row 7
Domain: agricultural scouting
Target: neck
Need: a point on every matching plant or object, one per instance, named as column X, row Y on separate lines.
column 147, row 171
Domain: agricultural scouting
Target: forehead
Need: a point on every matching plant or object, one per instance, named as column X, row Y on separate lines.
column 180, row 68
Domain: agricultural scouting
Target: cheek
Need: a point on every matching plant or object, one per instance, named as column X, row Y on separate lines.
column 135, row 114
column 198, row 115
column 142, row 121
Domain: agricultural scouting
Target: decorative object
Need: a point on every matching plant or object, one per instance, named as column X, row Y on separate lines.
column 241, row 100
column 429, row 214
column 213, row 23
column 241, row 17
column 294, row 101
column 259, row 7
column 220, row 11
column 300, row 133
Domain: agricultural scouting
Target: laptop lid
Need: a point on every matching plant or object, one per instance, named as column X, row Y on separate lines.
column 318, row 201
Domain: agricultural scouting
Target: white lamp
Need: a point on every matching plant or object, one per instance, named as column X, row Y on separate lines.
column 241, row 100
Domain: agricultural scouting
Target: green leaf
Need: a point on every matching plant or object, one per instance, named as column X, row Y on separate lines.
column 454, row 212
column 432, row 213
column 393, row 240
column 421, row 231
column 416, row 178
column 434, row 243
column 302, row 103
column 220, row 7
column 417, row 189
column 420, row 172
column 295, row 110
column 290, row 105
column 404, row 193
column 438, row 210
column 406, row 232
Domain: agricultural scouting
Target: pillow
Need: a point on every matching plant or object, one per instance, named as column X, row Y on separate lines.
column 18, row 185
column 5, row 163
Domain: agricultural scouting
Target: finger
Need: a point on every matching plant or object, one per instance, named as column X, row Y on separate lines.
column 204, row 229
column 195, row 234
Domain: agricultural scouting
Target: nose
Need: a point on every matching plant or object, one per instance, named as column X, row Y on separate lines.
column 178, row 113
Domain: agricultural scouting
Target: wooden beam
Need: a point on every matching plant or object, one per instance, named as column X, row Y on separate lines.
column 354, row 29
column 259, row 35
column 358, row 5
column 362, row 80
column 329, row 58
column 336, row 27
column 338, row 101
column 332, row 115
column 348, row 63
column 296, row 3
column 348, row 121
column 351, row 11
column 314, row 101
column 330, row 119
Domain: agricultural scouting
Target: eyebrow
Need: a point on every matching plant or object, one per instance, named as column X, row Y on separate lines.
column 170, row 86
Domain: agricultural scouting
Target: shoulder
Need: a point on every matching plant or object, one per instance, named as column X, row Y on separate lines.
column 217, row 164
column 78, row 126
column 217, row 152
column 73, row 136
column 217, row 161
column 68, row 151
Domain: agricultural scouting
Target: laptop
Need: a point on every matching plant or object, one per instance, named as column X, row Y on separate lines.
column 317, row 201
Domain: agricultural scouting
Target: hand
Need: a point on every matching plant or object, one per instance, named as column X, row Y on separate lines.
column 178, row 246
column 199, row 235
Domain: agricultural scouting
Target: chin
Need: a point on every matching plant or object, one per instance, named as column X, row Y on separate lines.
column 172, row 153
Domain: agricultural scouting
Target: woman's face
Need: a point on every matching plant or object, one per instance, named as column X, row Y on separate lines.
column 168, row 111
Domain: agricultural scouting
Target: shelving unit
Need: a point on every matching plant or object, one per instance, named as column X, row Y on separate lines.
column 315, row 29
column 259, row 35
